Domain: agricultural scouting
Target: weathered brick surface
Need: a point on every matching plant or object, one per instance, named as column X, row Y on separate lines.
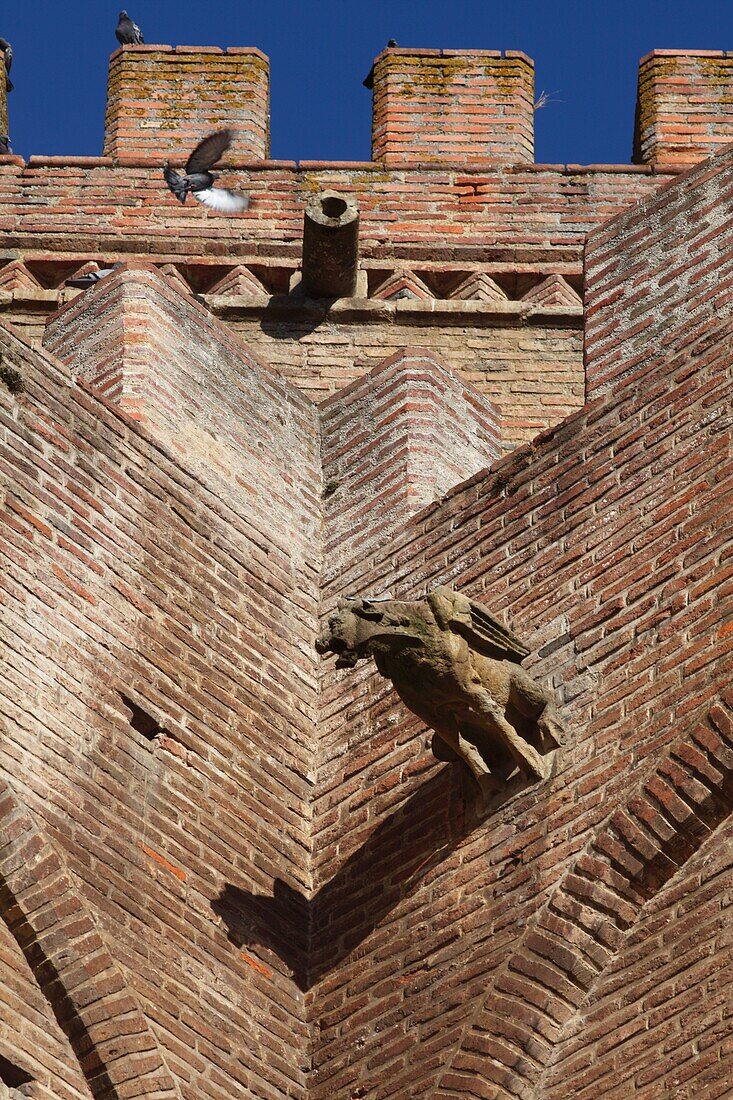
column 161, row 101
column 603, row 545
column 509, row 214
column 684, row 108
column 454, row 106
column 128, row 578
column 646, row 296
column 392, row 442
column 115, row 1047
column 659, row 1023
column 514, row 226
column 30, row 1036
column 532, row 372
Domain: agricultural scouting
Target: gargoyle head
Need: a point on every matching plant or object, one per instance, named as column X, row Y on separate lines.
column 355, row 625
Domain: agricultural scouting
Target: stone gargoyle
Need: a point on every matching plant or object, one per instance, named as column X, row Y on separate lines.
column 457, row 669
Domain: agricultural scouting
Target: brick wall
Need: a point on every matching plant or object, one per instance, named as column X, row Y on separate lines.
column 645, row 296
column 392, row 442
column 162, row 100
column 499, row 227
column 30, row 1036
column 683, row 106
column 455, row 106
column 532, row 372
column 149, row 722
column 602, row 545
column 659, row 1025
column 510, row 215
column 297, row 899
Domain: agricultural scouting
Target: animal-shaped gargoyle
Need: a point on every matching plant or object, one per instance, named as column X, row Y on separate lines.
column 457, row 669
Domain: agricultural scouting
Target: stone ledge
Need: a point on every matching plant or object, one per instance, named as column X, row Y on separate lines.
column 366, row 310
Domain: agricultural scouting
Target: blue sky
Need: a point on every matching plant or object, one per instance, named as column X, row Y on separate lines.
column 586, row 54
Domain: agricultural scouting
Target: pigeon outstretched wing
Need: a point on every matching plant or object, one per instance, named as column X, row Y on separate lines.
column 219, row 198
column 198, row 177
column 209, row 151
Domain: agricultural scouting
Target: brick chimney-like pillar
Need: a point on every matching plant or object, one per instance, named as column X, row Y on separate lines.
column 453, row 106
column 161, row 101
column 684, row 106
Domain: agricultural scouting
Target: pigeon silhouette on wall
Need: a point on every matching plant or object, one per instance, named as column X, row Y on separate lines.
column 198, row 179
column 5, row 147
column 8, row 57
column 128, row 33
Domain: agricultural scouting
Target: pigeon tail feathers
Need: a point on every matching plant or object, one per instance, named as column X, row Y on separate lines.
column 222, row 200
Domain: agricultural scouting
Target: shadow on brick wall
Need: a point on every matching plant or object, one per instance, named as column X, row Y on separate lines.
column 312, row 936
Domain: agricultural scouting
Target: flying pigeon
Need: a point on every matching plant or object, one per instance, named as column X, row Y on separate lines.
column 7, row 50
column 128, row 33
column 368, row 80
column 91, row 278
column 5, row 146
column 198, row 179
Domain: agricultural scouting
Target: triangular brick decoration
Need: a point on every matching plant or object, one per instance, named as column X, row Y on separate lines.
column 239, row 281
column 16, row 276
column 175, row 278
column 481, row 287
column 553, row 291
column 85, row 269
column 402, row 284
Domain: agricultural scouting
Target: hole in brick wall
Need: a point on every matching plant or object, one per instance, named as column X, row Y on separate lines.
column 577, row 283
column 142, row 722
column 52, row 273
column 12, row 1076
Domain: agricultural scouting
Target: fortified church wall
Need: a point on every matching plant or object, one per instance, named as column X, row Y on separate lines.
column 470, row 249
column 229, row 869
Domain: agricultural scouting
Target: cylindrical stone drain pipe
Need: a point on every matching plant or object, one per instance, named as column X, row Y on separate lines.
column 330, row 245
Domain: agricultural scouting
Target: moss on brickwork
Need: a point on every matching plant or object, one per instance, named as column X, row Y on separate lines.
column 161, row 93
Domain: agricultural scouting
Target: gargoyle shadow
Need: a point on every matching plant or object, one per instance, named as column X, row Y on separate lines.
column 313, row 936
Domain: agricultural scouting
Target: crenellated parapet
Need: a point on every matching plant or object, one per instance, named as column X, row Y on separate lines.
column 453, row 106
column 161, row 99
column 684, row 107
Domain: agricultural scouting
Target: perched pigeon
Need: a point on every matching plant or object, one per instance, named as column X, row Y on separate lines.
column 91, row 278
column 5, row 146
column 7, row 50
column 128, row 33
column 198, row 179
column 368, row 80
